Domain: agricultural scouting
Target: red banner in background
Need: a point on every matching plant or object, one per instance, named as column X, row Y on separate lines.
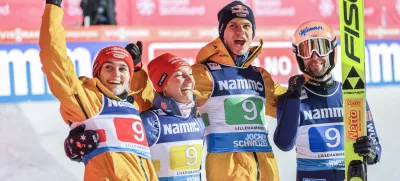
column 27, row 14
column 14, row 13
column 171, row 34
column 276, row 57
column 391, row 12
column 176, row 12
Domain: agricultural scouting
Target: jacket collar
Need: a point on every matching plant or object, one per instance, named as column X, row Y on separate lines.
column 217, row 52
column 324, row 85
column 169, row 105
column 94, row 82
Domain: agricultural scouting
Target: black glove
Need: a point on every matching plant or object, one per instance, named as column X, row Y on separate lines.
column 296, row 84
column 365, row 146
column 80, row 142
column 136, row 52
column 55, row 2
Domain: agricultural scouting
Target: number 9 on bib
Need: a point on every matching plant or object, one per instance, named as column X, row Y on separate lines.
column 241, row 110
column 186, row 157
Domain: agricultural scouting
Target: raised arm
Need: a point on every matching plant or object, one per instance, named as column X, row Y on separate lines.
column 57, row 66
column 288, row 114
column 59, row 69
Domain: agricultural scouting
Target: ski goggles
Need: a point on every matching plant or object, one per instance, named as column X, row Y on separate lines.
column 321, row 46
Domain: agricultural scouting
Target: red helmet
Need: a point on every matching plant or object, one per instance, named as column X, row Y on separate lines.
column 314, row 37
column 112, row 52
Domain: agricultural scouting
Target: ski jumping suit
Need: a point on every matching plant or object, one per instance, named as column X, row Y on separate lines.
column 243, row 153
column 176, row 142
column 124, row 153
column 233, row 101
column 318, row 134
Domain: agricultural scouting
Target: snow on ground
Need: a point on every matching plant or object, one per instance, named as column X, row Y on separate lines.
column 32, row 134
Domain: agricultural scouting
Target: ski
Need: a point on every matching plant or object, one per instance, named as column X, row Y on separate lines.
column 354, row 104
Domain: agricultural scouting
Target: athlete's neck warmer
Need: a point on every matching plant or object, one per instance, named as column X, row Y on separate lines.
column 185, row 108
column 170, row 106
column 238, row 59
column 123, row 95
column 324, row 85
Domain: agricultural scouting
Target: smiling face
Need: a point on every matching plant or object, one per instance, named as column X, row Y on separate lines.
column 238, row 35
column 180, row 85
column 114, row 75
column 316, row 65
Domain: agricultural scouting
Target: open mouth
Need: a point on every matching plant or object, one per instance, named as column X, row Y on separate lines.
column 114, row 82
column 186, row 89
column 240, row 42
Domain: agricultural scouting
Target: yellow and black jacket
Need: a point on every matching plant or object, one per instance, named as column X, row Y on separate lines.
column 81, row 99
column 246, row 166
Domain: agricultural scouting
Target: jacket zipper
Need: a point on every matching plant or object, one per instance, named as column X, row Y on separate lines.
column 144, row 171
column 81, row 105
column 257, row 165
column 252, row 55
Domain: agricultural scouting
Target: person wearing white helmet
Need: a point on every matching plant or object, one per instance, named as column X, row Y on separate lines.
column 310, row 113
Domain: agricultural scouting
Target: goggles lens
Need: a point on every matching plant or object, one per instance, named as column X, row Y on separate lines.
column 321, row 46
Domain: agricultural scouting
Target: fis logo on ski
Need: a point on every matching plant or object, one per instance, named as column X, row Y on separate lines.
column 351, row 30
column 252, row 140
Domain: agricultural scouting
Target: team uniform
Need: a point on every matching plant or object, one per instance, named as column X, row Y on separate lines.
column 319, row 130
column 240, row 159
column 233, row 99
column 123, row 152
column 176, row 142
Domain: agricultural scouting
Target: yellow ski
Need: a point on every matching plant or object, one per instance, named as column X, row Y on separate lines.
column 352, row 56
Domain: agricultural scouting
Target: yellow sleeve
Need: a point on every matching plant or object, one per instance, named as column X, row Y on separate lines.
column 77, row 104
column 272, row 92
column 203, row 83
column 143, row 90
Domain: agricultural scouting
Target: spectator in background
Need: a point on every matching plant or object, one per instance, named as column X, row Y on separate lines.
column 98, row 12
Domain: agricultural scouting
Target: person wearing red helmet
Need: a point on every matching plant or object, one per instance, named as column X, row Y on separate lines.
column 174, row 129
column 101, row 105
column 310, row 113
